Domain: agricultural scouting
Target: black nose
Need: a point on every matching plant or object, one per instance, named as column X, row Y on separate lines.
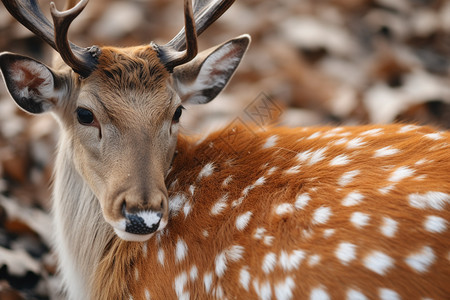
column 144, row 222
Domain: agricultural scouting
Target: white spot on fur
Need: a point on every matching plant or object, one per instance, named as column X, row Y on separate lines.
column 220, row 205
column 259, row 233
column 421, row 260
column 161, row 257
column 400, row 174
column 340, row 160
column 207, row 281
column 270, row 142
column 359, row 219
column 352, row 199
column 244, row 278
column 284, row 208
column 181, row 250
column 387, row 294
column 372, row 132
column 348, row 177
column 268, row 240
column 345, row 252
column 385, row 190
column 328, row 232
column 319, row 294
column 355, row 143
column 269, row 262
column 292, row 170
column 227, row 180
column 434, row 136
column 187, row 208
column 378, row 262
column 302, row 200
column 263, row 290
column 147, row 294
column 291, row 261
column 179, row 284
column 221, row 264
column 386, row 151
column 176, row 202
column 321, row 215
column 407, row 128
column 314, row 260
column 232, row 254
column 435, row 224
column 192, row 189
column 355, row 295
column 205, row 233
column 193, row 273
column 389, row 227
column 207, row 170
column 434, row 200
column 317, row 156
column 283, row 289
column 242, row 220
column 260, row 181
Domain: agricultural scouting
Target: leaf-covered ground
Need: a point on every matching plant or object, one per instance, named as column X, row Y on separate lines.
column 310, row 63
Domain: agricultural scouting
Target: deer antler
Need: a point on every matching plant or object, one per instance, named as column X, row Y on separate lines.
column 82, row 60
column 183, row 47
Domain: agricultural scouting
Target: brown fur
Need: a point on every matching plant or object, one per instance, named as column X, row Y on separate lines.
column 134, row 267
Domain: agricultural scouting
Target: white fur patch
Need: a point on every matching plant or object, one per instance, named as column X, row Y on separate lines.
column 359, row 219
column 302, row 200
column 242, row 220
column 319, row 294
column 321, row 215
column 180, row 250
column 207, row 170
column 400, row 174
column 355, row 295
column 421, row 260
column 244, row 278
column 352, row 199
column 348, row 177
column 386, row 151
column 389, row 227
column 291, row 261
column 269, row 262
column 378, row 262
column 387, row 294
column 270, row 142
column 434, row 200
column 283, row 289
column 345, row 252
column 340, row 160
column 435, row 224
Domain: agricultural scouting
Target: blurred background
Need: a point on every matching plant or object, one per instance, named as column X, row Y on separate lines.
column 334, row 62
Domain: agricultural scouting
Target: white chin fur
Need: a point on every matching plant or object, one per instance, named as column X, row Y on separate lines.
column 132, row 237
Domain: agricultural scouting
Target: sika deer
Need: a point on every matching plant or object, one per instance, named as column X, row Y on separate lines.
column 356, row 212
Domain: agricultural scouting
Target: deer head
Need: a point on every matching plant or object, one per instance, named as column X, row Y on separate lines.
column 119, row 107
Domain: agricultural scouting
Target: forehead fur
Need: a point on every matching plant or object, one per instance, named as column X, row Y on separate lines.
column 132, row 79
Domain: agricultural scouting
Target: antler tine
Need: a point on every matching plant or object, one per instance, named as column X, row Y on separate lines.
column 81, row 60
column 205, row 14
column 173, row 57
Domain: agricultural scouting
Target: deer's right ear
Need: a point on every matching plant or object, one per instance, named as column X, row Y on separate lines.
column 30, row 83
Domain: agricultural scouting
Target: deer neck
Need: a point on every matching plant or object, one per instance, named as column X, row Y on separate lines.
column 81, row 234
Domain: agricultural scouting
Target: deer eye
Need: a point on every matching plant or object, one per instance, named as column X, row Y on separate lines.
column 177, row 114
column 85, row 116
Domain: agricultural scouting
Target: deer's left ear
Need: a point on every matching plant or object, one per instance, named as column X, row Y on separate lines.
column 30, row 83
column 202, row 79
